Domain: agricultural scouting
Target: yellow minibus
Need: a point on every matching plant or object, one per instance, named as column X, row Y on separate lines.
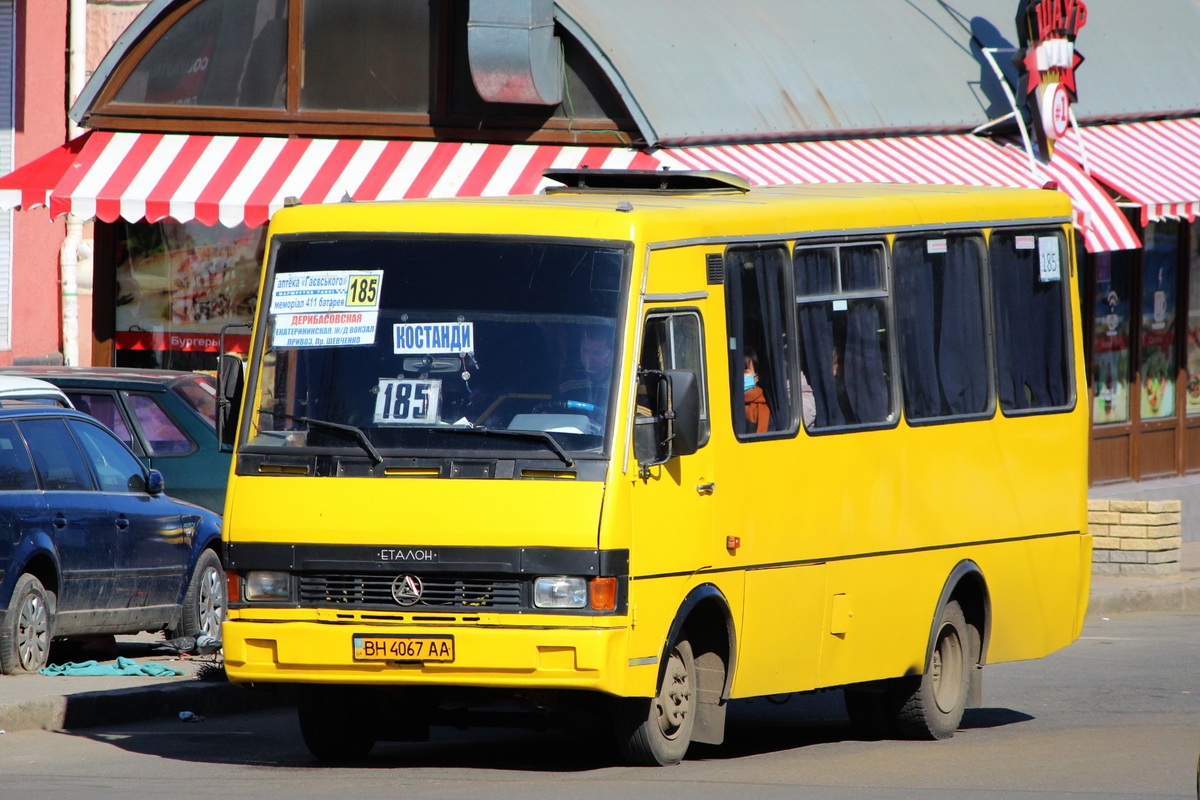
column 649, row 442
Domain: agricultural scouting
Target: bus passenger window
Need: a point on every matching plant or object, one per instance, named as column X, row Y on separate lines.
column 841, row 300
column 760, row 380
column 1030, row 308
column 941, row 326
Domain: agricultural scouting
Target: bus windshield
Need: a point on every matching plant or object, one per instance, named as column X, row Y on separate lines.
column 389, row 346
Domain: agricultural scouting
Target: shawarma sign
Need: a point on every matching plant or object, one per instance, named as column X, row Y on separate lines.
column 1047, row 61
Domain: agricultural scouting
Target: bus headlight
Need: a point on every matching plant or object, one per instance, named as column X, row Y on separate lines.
column 268, row 585
column 560, row 592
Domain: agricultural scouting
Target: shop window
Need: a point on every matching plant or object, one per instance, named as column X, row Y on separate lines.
column 1111, row 336
column 940, row 320
column 758, row 311
column 177, row 286
column 1157, row 362
column 230, row 53
column 841, row 304
column 1193, row 321
column 1029, row 302
column 370, row 55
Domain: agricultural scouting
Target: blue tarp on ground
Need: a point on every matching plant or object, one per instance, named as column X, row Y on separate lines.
column 122, row 666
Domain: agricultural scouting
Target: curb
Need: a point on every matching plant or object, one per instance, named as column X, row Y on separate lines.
column 92, row 709
column 1174, row 596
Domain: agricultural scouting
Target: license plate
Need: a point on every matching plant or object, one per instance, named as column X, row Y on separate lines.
column 403, row 648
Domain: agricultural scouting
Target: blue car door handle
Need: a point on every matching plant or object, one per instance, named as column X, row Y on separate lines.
column 122, row 522
column 60, row 521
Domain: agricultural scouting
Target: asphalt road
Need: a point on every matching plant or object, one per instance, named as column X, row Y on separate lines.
column 1116, row 715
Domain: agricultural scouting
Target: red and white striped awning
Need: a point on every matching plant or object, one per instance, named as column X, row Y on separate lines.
column 236, row 180
column 959, row 160
column 1154, row 164
column 242, row 180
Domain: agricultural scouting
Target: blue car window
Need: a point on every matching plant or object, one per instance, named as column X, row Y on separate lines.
column 162, row 434
column 104, row 408
column 116, row 468
column 57, row 457
column 16, row 470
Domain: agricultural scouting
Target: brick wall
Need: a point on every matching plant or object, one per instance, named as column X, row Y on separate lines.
column 1135, row 537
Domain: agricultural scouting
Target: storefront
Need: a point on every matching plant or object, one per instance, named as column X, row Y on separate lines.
column 208, row 115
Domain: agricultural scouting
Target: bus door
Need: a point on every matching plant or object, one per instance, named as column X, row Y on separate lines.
column 672, row 502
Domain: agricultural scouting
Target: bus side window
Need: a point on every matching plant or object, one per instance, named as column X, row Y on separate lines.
column 941, row 325
column 1030, row 310
column 759, row 318
column 841, row 298
column 675, row 341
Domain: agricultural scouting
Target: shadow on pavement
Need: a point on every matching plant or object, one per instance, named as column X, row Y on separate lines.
column 272, row 738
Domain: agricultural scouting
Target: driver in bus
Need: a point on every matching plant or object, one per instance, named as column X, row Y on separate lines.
column 587, row 387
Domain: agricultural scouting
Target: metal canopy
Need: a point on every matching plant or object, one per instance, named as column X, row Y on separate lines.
column 705, row 71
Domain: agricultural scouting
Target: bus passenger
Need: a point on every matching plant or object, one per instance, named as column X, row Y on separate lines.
column 758, row 415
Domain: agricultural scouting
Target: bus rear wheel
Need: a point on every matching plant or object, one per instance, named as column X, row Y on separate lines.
column 928, row 706
column 933, row 709
column 657, row 731
column 335, row 723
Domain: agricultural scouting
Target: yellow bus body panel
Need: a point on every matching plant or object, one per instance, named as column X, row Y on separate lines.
column 844, row 541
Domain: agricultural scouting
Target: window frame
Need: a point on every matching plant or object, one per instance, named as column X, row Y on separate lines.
column 517, row 124
column 791, row 360
column 885, row 293
column 671, row 314
column 989, row 325
column 1067, row 266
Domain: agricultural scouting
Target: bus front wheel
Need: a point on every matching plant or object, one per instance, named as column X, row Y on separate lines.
column 335, row 722
column 657, row 731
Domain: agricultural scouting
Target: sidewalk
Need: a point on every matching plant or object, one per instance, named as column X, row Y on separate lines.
column 53, row 703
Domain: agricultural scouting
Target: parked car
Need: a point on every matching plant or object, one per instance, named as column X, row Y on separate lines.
column 167, row 417
column 33, row 390
column 90, row 544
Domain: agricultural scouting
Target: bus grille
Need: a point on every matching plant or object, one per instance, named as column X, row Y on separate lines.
column 437, row 591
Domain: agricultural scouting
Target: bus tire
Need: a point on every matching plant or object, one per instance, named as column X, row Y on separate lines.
column 657, row 731
column 932, row 705
column 335, row 727
column 28, row 627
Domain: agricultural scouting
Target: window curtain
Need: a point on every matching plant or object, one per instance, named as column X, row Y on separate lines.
column 866, row 375
column 962, row 359
column 814, row 276
column 915, row 320
column 772, row 357
column 1030, row 341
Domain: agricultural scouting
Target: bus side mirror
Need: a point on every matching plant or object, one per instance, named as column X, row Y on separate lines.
column 667, row 421
column 231, row 382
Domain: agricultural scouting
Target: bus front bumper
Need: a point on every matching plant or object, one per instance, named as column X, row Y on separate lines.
column 514, row 657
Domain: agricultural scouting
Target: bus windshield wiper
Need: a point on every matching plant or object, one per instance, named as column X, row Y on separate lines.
column 537, row 436
column 359, row 435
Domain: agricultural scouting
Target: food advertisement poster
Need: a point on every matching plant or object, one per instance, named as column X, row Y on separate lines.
column 1158, row 327
column 1110, row 336
column 1192, row 394
column 178, row 284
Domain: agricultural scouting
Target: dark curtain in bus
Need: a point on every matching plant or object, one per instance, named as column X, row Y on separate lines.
column 962, row 359
column 814, row 276
column 1030, row 343
column 915, row 320
column 939, row 309
column 866, row 378
column 773, row 368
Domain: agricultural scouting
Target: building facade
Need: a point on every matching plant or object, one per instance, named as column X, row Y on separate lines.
column 207, row 115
